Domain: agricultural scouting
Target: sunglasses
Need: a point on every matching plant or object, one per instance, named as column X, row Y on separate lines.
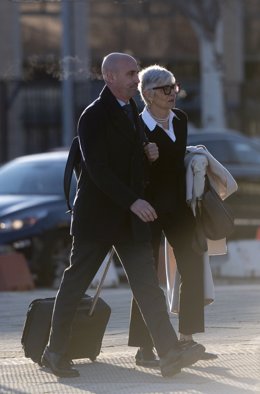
column 167, row 89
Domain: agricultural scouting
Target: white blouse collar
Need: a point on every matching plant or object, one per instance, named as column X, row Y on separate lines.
column 149, row 120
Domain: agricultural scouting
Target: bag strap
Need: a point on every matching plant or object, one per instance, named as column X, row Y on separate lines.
column 73, row 162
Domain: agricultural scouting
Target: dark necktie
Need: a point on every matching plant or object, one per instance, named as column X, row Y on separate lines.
column 129, row 112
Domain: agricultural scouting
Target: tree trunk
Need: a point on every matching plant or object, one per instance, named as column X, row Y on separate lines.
column 212, row 84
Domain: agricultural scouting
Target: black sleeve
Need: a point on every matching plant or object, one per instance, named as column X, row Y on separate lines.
column 92, row 139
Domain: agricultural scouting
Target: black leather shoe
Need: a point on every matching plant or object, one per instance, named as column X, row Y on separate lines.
column 58, row 364
column 184, row 344
column 205, row 355
column 193, row 352
column 145, row 357
column 209, row 356
column 169, row 363
column 178, row 358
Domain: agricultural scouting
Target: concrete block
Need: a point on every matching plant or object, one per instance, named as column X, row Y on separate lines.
column 242, row 260
column 14, row 273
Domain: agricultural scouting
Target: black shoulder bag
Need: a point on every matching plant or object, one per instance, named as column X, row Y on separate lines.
column 215, row 216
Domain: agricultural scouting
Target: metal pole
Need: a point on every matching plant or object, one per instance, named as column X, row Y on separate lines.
column 3, row 122
column 67, row 74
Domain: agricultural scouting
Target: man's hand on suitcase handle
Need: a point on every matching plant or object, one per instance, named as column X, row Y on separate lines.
column 143, row 210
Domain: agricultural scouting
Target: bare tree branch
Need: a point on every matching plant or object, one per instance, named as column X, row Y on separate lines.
column 203, row 13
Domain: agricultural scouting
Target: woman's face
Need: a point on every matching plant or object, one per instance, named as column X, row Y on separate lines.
column 164, row 97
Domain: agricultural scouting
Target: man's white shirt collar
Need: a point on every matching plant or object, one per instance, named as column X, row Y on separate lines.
column 122, row 103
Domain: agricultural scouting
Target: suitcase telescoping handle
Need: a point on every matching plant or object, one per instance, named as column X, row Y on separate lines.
column 107, row 261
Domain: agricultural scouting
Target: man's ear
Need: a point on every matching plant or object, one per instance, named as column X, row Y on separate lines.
column 110, row 76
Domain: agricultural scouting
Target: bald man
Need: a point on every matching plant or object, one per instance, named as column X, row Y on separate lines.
column 110, row 210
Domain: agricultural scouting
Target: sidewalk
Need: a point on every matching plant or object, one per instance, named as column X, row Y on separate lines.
column 232, row 331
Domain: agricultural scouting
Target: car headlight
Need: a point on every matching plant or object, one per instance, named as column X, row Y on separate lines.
column 23, row 221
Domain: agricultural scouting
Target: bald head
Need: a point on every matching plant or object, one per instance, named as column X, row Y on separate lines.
column 120, row 72
column 113, row 62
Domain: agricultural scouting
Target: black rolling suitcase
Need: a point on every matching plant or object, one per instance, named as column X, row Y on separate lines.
column 87, row 331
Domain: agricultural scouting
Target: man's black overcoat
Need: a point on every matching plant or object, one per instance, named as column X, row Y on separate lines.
column 113, row 172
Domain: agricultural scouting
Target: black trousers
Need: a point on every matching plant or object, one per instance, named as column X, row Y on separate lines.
column 179, row 229
column 137, row 258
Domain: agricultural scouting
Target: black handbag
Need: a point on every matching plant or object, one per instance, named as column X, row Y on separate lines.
column 215, row 216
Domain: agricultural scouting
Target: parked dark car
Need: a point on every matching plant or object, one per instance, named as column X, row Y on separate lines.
column 241, row 156
column 33, row 217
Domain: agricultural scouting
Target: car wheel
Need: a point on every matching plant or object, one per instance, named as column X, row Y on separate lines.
column 54, row 259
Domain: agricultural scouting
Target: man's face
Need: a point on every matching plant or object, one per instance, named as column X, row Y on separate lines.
column 125, row 79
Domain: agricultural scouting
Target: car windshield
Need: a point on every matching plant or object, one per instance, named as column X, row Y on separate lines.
column 247, row 153
column 32, row 177
column 229, row 150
